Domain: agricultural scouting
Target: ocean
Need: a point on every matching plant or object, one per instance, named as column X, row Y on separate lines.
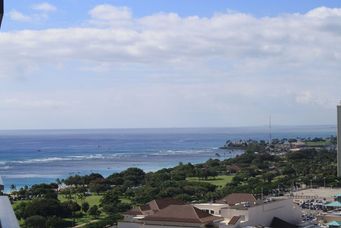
column 29, row 157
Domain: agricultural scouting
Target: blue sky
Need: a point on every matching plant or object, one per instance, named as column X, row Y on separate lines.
column 189, row 63
column 74, row 12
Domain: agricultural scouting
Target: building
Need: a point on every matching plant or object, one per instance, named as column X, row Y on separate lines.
column 171, row 216
column 261, row 214
column 1, row 11
column 181, row 216
column 212, row 208
column 237, row 198
column 339, row 140
column 236, row 210
column 243, row 210
column 150, row 208
column 7, row 216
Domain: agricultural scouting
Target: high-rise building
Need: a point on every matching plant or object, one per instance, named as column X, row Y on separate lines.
column 1, row 10
column 339, row 140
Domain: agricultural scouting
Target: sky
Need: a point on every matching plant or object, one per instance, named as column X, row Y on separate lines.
column 159, row 63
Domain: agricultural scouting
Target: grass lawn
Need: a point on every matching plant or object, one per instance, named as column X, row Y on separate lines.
column 91, row 200
column 125, row 200
column 219, row 181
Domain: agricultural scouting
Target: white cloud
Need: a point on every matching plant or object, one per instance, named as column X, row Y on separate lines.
column 324, row 12
column 19, row 17
column 106, row 14
column 44, row 10
column 226, row 66
column 45, row 7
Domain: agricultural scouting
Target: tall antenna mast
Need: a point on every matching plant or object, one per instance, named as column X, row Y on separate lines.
column 270, row 130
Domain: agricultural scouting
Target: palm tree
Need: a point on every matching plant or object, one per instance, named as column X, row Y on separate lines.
column 13, row 188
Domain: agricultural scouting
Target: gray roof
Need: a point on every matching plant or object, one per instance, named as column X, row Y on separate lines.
column 7, row 216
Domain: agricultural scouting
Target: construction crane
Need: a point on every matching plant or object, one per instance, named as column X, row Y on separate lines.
column 1, row 11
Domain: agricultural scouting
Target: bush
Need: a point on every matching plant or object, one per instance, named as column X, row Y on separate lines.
column 35, row 221
column 55, row 222
column 94, row 212
column 85, row 207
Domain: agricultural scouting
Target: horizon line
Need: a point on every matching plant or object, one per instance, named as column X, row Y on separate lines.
column 168, row 128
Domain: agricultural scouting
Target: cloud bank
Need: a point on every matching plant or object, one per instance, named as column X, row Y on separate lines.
column 227, row 69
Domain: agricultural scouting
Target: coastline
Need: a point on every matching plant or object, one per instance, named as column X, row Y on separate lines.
column 27, row 158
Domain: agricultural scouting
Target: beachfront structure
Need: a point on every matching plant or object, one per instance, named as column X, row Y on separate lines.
column 339, row 140
column 243, row 210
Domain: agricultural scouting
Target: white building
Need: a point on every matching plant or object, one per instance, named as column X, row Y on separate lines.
column 240, row 210
column 7, row 216
column 261, row 214
column 173, row 216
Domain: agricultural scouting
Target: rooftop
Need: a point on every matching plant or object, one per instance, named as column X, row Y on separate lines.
column 183, row 214
column 154, row 206
column 237, row 198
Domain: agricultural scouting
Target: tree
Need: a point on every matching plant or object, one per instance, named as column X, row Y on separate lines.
column 43, row 207
column 110, row 201
column 98, row 186
column 94, row 212
column 13, row 188
column 73, row 207
column 59, row 181
column 85, row 207
column 133, row 177
column 35, row 221
column 55, row 222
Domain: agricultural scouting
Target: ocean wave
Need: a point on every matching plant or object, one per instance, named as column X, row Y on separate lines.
column 5, row 167
column 105, row 156
column 58, row 159
column 22, row 176
column 184, row 152
column 53, row 159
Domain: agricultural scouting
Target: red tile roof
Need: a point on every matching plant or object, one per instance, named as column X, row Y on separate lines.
column 236, row 198
column 182, row 213
column 153, row 206
column 160, row 204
